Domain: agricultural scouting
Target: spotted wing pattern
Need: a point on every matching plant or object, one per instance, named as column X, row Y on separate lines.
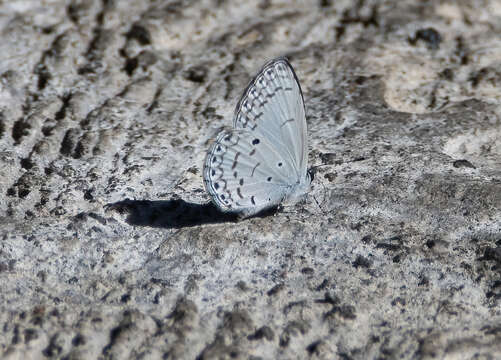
column 273, row 106
column 239, row 175
column 263, row 159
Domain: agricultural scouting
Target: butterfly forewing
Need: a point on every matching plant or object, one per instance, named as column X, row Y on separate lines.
column 273, row 107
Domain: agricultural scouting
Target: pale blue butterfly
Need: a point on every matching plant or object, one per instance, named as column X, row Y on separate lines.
column 262, row 161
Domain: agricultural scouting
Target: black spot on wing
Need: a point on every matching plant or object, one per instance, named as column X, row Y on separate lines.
column 235, row 160
column 254, row 169
column 286, row 121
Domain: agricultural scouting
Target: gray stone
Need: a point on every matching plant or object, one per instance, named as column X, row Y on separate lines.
column 108, row 245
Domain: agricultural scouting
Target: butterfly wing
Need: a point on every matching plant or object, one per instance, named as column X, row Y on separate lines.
column 272, row 107
column 261, row 161
column 244, row 172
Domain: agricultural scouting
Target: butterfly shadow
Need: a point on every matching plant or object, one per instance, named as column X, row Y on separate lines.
column 170, row 214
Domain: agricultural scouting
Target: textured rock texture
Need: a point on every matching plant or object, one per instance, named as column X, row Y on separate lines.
column 108, row 248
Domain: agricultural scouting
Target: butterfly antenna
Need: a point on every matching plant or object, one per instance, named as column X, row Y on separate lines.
column 312, row 172
column 318, row 204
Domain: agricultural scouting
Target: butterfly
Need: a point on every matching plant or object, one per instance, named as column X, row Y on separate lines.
column 262, row 161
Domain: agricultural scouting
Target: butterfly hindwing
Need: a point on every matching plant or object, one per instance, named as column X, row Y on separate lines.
column 239, row 175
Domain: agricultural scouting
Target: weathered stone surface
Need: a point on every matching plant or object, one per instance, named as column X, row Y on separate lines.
column 108, row 248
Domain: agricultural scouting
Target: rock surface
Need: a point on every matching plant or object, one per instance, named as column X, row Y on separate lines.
column 396, row 253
